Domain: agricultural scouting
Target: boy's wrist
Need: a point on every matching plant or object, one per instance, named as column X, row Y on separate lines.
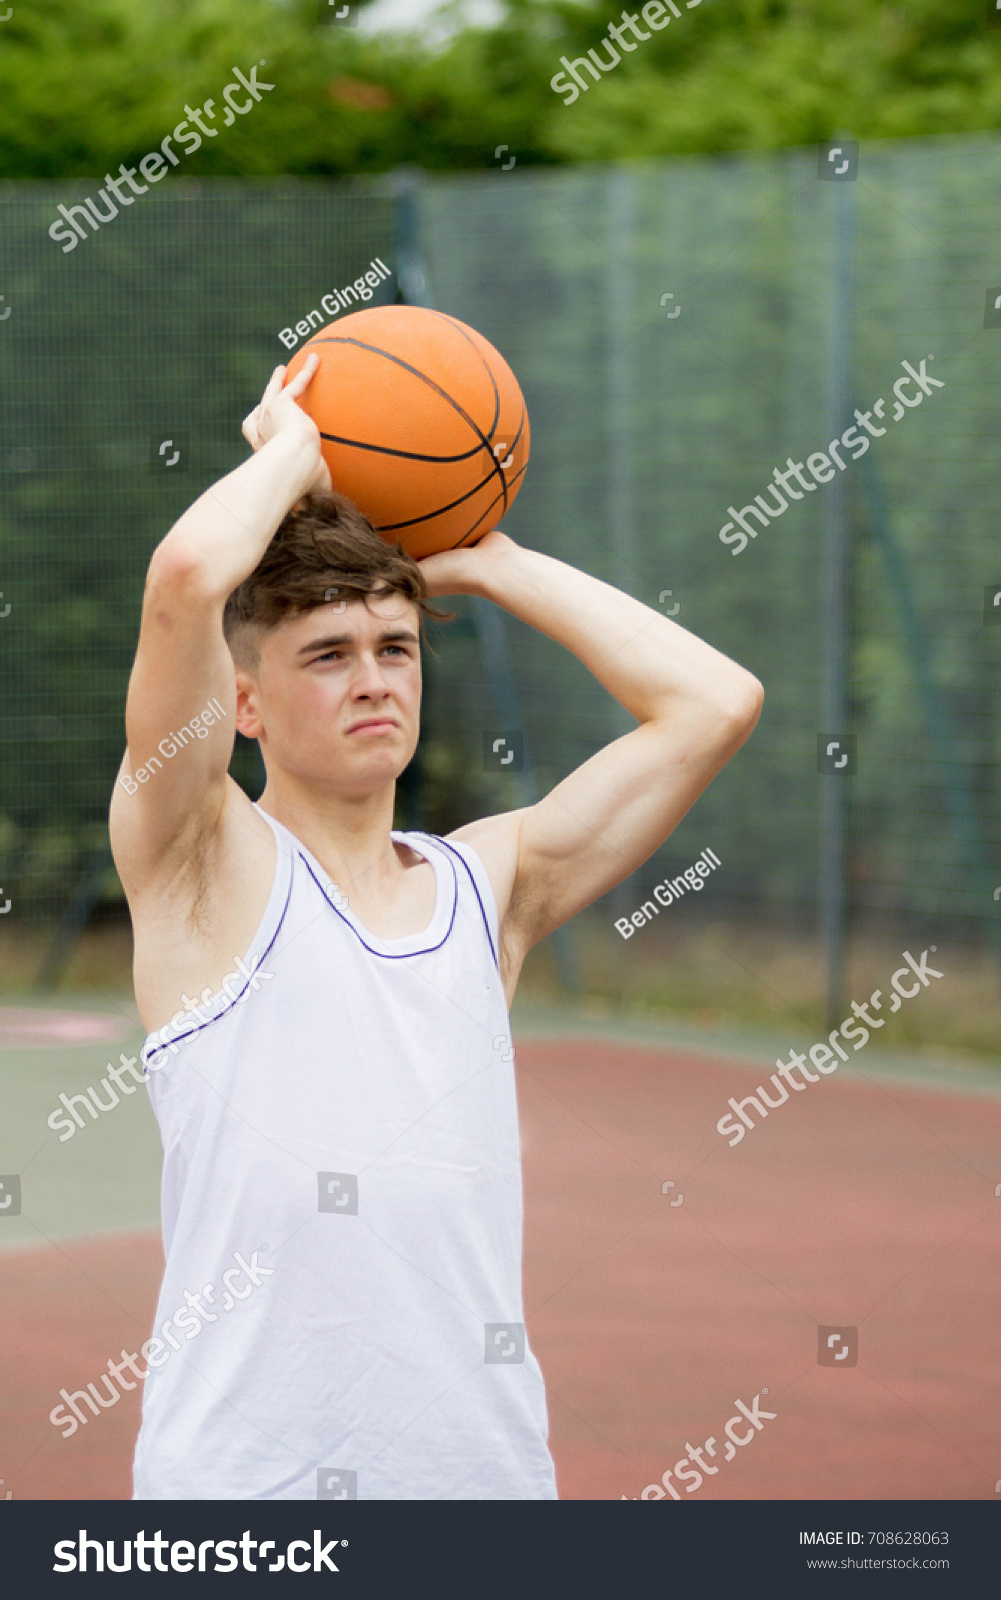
column 295, row 456
column 504, row 568
column 484, row 569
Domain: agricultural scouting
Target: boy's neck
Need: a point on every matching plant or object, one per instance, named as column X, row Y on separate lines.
column 349, row 836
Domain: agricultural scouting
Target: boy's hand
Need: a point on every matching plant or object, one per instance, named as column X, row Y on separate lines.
column 466, row 571
column 279, row 413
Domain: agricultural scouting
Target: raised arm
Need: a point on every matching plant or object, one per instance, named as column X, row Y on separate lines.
column 695, row 708
column 168, row 788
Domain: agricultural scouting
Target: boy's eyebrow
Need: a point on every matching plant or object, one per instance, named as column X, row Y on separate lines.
column 330, row 641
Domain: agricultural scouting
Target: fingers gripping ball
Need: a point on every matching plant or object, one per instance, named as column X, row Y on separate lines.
column 423, row 424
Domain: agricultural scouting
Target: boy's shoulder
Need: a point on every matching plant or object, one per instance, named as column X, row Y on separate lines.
column 495, row 841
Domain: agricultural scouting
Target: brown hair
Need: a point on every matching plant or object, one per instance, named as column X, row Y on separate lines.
column 323, row 546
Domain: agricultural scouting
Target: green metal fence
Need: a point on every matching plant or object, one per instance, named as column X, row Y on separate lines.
column 163, row 326
column 680, row 331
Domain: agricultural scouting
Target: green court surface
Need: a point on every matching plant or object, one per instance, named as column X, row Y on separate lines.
column 105, row 1178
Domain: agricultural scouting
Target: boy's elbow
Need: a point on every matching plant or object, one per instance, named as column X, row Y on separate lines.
column 736, row 707
column 179, row 566
column 747, row 698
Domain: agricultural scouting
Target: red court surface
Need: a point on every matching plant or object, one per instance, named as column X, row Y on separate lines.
column 857, row 1204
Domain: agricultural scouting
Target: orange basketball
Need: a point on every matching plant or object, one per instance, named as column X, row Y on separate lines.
column 423, row 424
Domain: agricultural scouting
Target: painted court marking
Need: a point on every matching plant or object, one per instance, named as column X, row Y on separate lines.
column 23, row 1028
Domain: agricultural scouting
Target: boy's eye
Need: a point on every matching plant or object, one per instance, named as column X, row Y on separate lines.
column 337, row 654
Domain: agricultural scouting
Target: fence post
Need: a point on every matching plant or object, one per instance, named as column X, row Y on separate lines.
column 835, row 576
column 490, row 621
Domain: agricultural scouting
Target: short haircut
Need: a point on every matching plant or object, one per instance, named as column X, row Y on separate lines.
column 323, row 547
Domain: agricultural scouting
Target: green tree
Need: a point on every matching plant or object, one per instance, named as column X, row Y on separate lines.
column 84, row 88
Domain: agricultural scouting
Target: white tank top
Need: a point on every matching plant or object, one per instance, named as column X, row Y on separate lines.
column 342, row 1214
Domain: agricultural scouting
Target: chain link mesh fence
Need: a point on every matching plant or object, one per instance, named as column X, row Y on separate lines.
column 151, row 340
column 675, row 329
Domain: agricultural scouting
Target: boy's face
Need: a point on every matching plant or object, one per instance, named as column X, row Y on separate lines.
column 335, row 699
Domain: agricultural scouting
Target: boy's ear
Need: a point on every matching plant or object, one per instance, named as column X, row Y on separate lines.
column 248, row 718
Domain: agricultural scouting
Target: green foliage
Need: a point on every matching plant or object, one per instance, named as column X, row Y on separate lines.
column 84, row 88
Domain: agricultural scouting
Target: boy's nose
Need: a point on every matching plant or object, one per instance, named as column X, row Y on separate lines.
column 369, row 678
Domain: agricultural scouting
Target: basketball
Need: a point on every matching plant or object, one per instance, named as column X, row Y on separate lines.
column 422, row 421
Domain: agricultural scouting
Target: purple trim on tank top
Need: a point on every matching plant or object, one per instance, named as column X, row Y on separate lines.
column 233, row 1002
column 401, row 955
column 483, row 912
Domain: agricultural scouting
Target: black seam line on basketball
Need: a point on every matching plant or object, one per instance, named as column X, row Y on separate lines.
column 470, row 531
column 493, row 383
column 489, row 371
column 398, row 360
column 429, row 516
column 521, row 428
column 410, row 455
column 485, row 514
column 505, row 482
column 514, row 442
